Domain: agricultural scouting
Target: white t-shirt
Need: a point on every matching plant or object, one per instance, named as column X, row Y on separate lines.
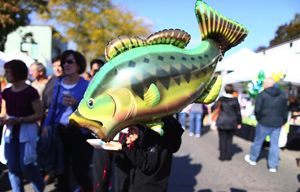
column 65, row 116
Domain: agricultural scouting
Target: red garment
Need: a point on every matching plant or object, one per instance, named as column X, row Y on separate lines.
column 19, row 104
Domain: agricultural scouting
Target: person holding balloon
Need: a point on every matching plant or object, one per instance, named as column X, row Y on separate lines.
column 145, row 156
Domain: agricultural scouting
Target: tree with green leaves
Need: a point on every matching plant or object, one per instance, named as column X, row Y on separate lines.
column 15, row 13
column 91, row 24
column 287, row 32
column 284, row 33
column 260, row 48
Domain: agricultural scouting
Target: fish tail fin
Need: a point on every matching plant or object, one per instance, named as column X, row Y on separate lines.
column 226, row 32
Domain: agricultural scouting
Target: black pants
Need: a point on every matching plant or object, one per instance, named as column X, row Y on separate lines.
column 77, row 154
column 225, row 143
column 102, row 169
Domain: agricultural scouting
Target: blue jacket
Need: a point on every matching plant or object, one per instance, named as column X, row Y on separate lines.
column 57, row 108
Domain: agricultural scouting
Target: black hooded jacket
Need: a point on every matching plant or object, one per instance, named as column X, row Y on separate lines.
column 230, row 113
column 148, row 163
column 271, row 107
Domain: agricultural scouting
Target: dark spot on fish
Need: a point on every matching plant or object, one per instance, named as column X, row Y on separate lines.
column 192, row 58
column 205, row 55
column 175, row 74
column 177, row 79
column 115, row 71
column 194, row 68
column 131, row 64
column 137, row 87
column 146, row 60
column 186, row 73
column 148, row 78
column 172, row 57
column 163, row 77
column 183, row 69
column 187, row 77
column 197, row 74
column 199, row 57
column 183, row 58
column 160, row 58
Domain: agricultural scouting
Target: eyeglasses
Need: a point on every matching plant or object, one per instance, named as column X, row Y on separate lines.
column 69, row 61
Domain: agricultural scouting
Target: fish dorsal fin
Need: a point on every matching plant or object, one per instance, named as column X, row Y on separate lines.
column 176, row 37
column 152, row 96
column 122, row 44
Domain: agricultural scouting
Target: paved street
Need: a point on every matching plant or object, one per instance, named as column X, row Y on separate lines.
column 196, row 168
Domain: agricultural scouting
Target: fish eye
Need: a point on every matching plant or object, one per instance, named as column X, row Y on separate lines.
column 90, row 103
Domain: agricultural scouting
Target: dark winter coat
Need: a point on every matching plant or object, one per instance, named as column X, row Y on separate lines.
column 150, row 160
column 230, row 113
column 271, row 107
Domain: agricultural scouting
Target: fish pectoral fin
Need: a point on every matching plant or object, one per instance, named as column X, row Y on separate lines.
column 176, row 37
column 152, row 96
column 211, row 92
column 156, row 126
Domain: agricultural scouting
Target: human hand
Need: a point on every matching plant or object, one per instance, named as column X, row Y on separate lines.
column 12, row 121
column 239, row 126
column 68, row 99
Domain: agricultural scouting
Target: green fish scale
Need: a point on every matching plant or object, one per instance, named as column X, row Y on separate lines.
column 156, row 66
column 179, row 68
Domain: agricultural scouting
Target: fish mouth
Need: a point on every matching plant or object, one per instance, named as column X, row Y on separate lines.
column 95, row 126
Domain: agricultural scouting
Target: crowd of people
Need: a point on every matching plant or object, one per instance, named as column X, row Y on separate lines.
column 271, row 112
column 42, row 146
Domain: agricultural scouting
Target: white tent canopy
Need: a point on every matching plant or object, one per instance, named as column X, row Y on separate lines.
column 246, row 65
column 3, row 59
column 239, row 60
column 239, row 76
column 289, row 63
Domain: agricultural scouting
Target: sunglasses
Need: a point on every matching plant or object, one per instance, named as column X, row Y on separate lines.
column 69, row 61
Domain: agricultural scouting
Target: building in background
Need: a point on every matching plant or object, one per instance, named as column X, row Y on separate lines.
column 38, row 42
column 287, row 54
column 292, row 46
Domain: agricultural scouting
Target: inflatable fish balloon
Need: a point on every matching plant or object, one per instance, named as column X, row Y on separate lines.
column 147, row 79
column 256, row 86
column 277, row 76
